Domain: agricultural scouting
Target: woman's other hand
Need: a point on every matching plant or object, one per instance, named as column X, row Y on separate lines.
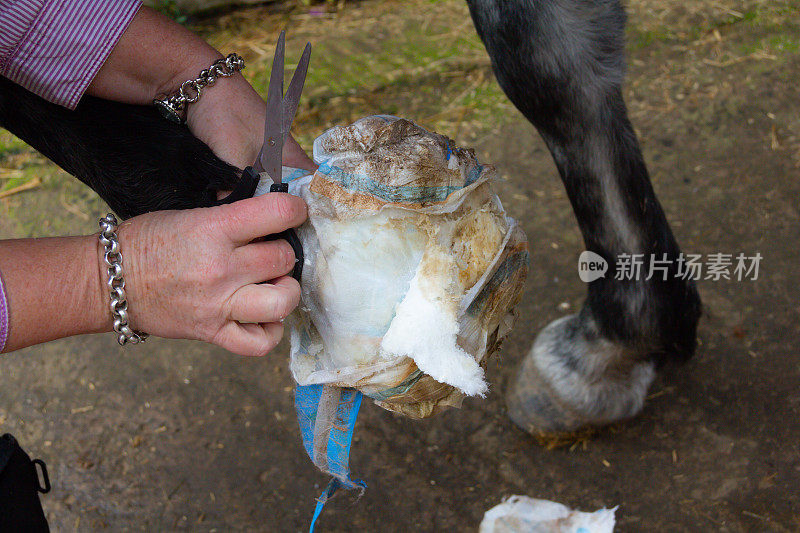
column 196, row 274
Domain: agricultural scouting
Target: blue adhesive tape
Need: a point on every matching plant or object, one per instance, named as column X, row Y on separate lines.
column 336, row 459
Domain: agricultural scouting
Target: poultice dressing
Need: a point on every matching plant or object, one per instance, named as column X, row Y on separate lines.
column 412, row 269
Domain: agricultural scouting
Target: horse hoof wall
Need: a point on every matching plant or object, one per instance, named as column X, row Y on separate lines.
column 572, row 378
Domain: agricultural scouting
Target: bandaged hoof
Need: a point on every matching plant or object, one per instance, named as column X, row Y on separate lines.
column 573, row 378
column 412, row 267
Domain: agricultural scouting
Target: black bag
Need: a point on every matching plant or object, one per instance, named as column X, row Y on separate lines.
column 20, row 509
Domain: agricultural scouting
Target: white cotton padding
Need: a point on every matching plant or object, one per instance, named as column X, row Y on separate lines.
column 426, row 331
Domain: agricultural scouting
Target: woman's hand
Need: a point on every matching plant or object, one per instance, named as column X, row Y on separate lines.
column 196, row 274
column 235, row 133
column 193, row 274
column 155, row 55
column 189, row 274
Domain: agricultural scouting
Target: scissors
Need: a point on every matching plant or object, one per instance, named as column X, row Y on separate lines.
column 281, row 110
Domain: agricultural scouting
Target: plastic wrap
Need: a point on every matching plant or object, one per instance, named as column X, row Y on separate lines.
column 522, row 514
column 411, row 271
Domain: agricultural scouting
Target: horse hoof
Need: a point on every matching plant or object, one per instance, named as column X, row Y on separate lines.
column 573, row 378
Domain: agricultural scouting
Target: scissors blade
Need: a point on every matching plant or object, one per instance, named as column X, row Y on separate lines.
column 292, row 97
column 271, row 153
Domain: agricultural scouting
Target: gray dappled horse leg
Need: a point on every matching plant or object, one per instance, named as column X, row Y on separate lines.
column 561, row 62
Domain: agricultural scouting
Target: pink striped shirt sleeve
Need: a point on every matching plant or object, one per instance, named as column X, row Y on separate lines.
column 54, row 48
column 3, row 316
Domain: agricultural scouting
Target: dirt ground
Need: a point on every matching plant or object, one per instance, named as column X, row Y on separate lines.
column 181, row 435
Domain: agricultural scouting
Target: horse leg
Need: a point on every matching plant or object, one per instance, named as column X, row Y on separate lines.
column 561, row 62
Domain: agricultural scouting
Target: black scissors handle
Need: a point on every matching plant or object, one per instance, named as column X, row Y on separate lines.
column 289, row 236
column 245, row 189
column 280, row 113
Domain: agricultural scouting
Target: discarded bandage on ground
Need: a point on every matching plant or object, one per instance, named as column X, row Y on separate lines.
column 522, row 514
column 411, row 271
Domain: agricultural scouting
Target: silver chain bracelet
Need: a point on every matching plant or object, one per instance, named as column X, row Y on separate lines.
column 173, row 107
column 116, row 283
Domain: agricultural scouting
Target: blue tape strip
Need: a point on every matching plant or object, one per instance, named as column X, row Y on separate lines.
column 306, row 403
column 341, row 436
column 414, row 195
column 327, row 494
column 339, row 439
column 294, row 174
